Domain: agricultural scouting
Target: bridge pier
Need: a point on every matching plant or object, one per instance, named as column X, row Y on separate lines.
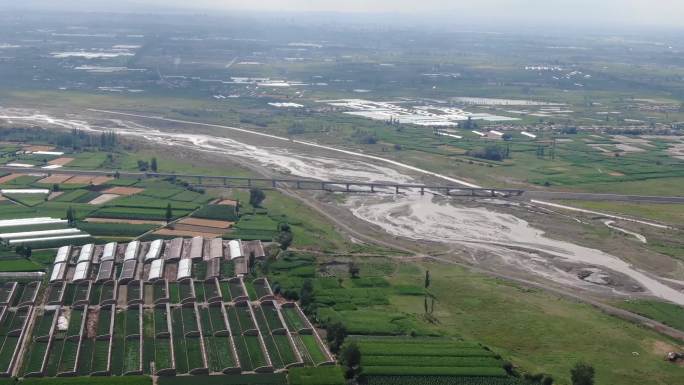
column 348, row 187
column 323, row 186
column 273, row 183
column 299, row 185
column 448, row 191
column 422, row 191
column 396, row 189
column 249, row 182
column 493, row 193
column 372, row 188
column 225, row 181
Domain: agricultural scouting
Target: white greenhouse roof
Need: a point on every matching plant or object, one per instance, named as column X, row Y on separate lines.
column 30, row 221
column 45, row 239
column 39, row 233
column 58, row 272
column 24, row 191
column 156, row 269
column 155, row 250
column 216, row 248
column 86, row 253
column 235, row 247
column 184, row 268
column 196, row 247
column 62, row 254
column 109, row 251
column 81, row 272
column 131, row 250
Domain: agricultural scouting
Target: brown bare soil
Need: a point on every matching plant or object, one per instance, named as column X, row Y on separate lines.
column 54, row 195
column 104, row 198
column 183, row 233
column 98, row 180
column 227, row 202
column 79, row 179
column 615, row 173
column 91, row 323
column 129, row 221
column 171, row 271
column 39, row 148
column 199, row 229
column 662, row 348
column 125, row 191
column 206, row 223
column 9, row 177
column 61, row 161
column 55, row 179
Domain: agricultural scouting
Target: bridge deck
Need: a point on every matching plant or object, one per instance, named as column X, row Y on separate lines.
column 209, row 181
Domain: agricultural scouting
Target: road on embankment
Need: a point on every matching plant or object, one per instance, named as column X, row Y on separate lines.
column 546, row 195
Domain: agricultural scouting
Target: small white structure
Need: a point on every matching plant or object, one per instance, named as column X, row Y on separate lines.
column 131, row 250
column 86, row 253
column 46, row 239
column 497, row 133
column 55, row 153
column 62, row 254
column 478, row 133
column 533, row 136
column 81, row 272
column 184, row 269
column 216, row 248
column 154, row 251
column 196, row 248
column 39, row 233
column 109, row 252
column 25, row 191
column 31, row 221
column 235, row 247
column 23, row 165
column 156, row 270
column 58, row 272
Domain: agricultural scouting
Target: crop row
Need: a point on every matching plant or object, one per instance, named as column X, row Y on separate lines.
column 433, row 371
column 439, row 380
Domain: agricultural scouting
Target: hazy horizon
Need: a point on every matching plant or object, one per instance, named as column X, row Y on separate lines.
column 527, row 13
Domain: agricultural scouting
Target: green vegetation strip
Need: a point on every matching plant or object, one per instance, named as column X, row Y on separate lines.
column 128, row 380
column 439, row 380
column 433, row 371
column 246, row 379
column 324, row 375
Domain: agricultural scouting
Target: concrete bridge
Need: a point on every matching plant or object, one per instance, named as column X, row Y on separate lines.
column 220, row 181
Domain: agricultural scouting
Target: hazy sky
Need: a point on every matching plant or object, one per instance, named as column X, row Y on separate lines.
column 595, row 12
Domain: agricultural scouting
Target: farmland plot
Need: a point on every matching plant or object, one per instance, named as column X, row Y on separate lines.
column 219, row 350
column 293, row 318
column 427, row 357
column 250, row 357
column 13, row 322
column 281, row 354
column 187, row 337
